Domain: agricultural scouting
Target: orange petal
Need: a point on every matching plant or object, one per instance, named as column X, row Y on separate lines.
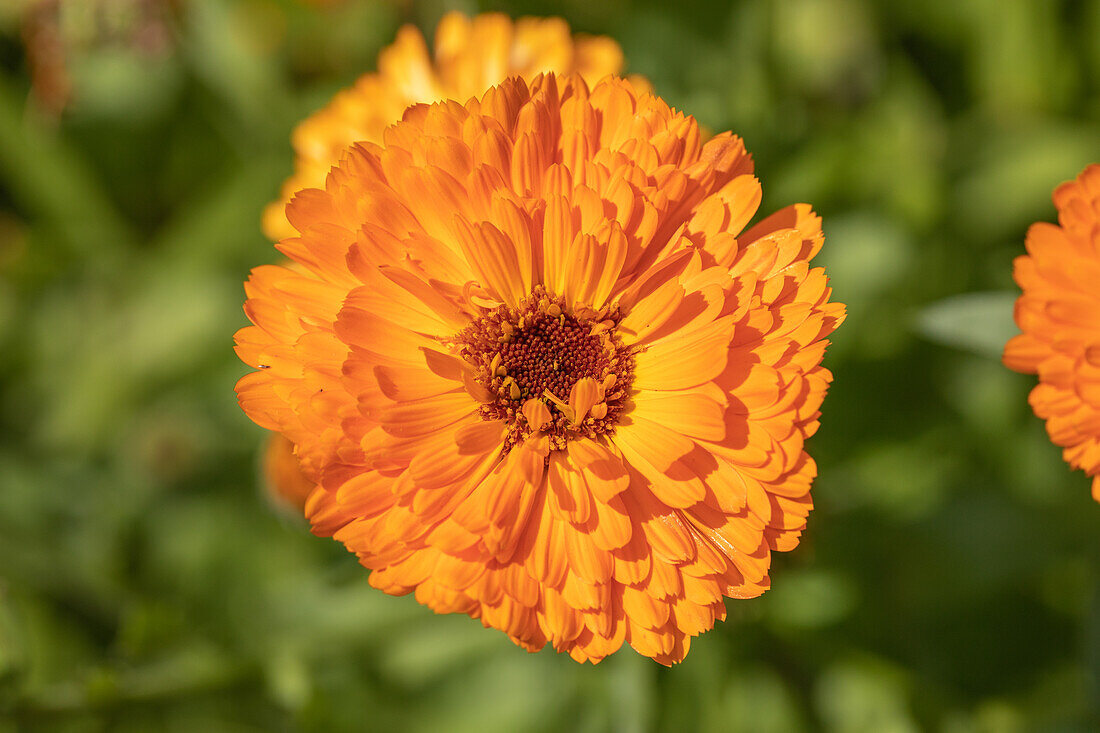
column 674, row 364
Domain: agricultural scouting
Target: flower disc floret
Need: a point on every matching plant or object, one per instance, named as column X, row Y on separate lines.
column 557, row 355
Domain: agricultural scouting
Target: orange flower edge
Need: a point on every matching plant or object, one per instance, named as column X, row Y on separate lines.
column 470, row 55
column 1059, row 315
column 285, row 484
column 542, row 372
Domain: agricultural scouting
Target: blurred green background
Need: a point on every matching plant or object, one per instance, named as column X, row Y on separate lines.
column 949, row 577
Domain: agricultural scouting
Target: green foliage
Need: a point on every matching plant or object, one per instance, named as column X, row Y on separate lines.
column 979, row 322
column 947, row 581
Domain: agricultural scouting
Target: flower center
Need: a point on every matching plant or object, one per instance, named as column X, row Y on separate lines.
column 541, row 350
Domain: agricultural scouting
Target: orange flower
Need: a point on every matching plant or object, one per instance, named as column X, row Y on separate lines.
column 470, row 55
column 543, row 376
column 1059, row 314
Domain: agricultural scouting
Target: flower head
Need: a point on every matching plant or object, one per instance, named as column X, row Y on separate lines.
column 542, row 372
column 1059, row 314
column 470, row 55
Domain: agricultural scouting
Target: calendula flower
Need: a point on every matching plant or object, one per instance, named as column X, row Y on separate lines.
column 545, row 376
column 470, row 55
column 1059, row 314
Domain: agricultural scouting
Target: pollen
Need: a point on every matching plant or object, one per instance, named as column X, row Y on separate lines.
column 540, row 350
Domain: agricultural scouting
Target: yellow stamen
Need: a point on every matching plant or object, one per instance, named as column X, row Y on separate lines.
column 563, row 407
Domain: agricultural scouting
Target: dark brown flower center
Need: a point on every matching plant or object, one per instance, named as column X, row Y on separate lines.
column 541, row 350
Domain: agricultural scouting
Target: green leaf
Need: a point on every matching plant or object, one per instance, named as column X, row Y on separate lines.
column 53, row 182
column 977, row 322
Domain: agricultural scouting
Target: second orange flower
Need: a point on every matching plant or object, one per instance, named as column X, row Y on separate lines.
column 1059, row 314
